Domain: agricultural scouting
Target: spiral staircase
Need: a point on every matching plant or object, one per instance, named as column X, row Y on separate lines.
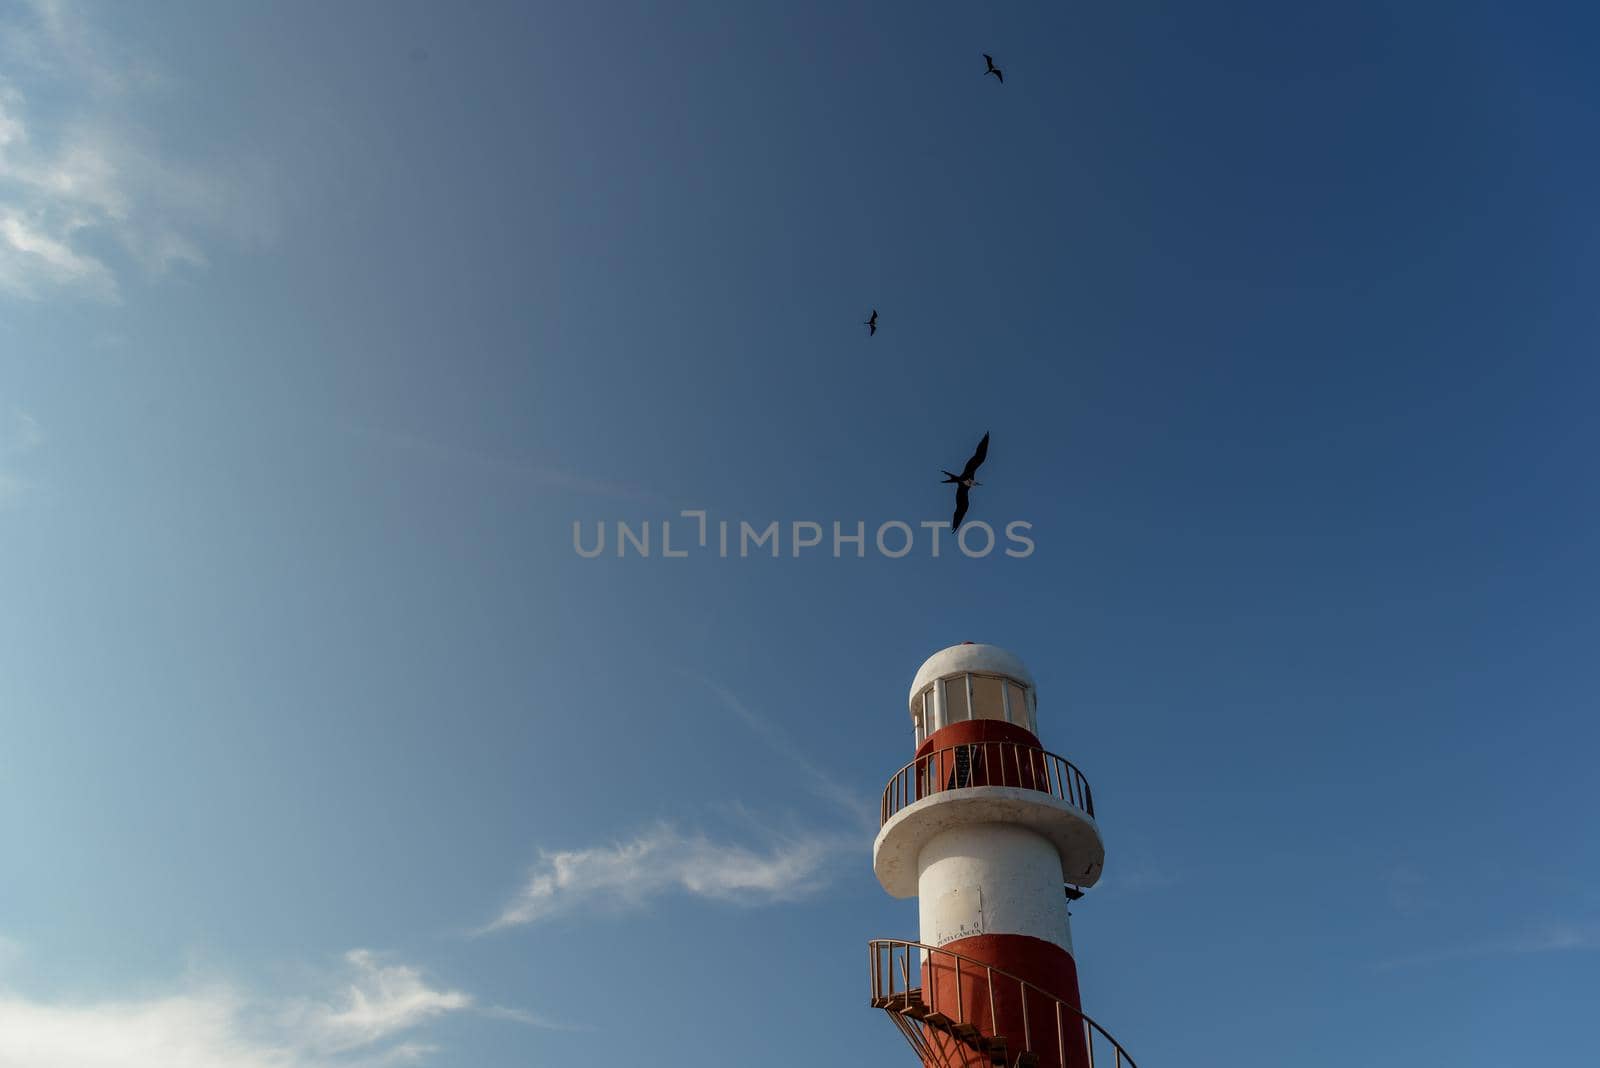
column 955, row 1032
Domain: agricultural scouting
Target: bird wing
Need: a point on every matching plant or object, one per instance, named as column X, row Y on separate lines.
column 977, row 458
column 961, row 507
column 987, row 58
column 1000, row 76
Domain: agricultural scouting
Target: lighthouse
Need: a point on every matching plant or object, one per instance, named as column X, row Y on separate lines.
column 995, row 836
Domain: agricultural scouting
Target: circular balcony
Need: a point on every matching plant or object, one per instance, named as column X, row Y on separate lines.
column 975, row 764
column 979, row 783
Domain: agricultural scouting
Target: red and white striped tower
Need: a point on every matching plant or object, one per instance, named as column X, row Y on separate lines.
column 987, row 830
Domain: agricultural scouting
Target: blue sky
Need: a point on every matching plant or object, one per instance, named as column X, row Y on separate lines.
column 320, row 326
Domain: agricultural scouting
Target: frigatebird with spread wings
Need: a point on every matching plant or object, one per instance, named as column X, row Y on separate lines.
column 964, row 481
column 987, row 58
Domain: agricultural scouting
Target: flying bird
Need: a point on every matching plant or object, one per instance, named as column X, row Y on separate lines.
column 964, row 481
column 872, row 323
column 987, row 58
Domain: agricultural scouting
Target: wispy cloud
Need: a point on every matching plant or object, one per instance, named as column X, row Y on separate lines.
column 54, row 38
column 372, row 1021
column 665, row 860
column 857, row 805
column 19, row 436
column 1140, row 865
column 1407, row 890
column 1139, row 875
column 1547, row 938
column 770, row 866
column 509, row 467
column 381, row 1001
column 10, row 953
column 85, row 195
column 532, row 1019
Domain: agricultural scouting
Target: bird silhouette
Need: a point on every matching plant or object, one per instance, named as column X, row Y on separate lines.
column 987, row 58
column 872, row 323
column 964, row 481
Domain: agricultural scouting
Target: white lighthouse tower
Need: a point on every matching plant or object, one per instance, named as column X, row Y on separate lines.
column 995, row 836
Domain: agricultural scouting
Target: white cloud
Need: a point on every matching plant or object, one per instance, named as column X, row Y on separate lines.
column 369, row 1023
column 382, row 1000
column 187, row 1031
column 85, row 196
column 31, row 259
column 665, row 860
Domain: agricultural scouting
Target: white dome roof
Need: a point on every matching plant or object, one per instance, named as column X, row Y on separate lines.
column 968, row 656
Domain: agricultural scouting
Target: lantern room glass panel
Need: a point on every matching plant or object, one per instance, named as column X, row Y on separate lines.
column 955, row 700
column 1021, row 714
column 988, row 697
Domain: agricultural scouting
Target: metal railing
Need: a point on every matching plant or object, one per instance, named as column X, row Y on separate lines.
column 1026, row 767
column 958, row 1012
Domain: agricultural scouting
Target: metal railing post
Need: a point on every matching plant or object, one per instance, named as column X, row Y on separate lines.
column 961, row 1015
column 1027, row 1033
column 994, row 1018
